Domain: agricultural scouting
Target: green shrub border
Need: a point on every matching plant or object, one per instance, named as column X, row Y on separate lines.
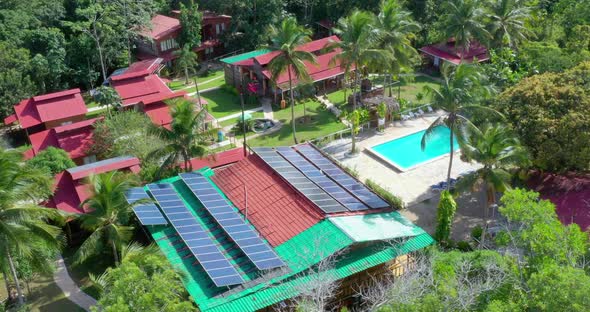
column 393, row 200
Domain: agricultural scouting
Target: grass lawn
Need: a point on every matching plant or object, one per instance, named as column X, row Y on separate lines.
column 91, row 104
column 96, row 113
column 216, row 76
column 224, row 102
column 232, row 121
column 322, row 122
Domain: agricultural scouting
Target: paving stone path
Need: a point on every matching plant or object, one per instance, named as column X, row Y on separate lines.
column 68, row 286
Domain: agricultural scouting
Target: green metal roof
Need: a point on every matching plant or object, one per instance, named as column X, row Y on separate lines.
column 244, row 56
column 376, row 226
column 300, row 253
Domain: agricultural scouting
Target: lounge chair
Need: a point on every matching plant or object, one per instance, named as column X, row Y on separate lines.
column 420, row 111
column 429, row 109
column 405, row 117
column 412, row 115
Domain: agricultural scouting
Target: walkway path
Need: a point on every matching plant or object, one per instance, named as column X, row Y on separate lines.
column 237, row 115
column 200, row 83
column 267, row 108
column 68, row 286
column 203, row 91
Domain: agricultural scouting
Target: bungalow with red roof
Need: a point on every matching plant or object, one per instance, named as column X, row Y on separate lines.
column 448, row 52
column 161, row 39
column 48, row 111
column 251, row 69
column 56, row 119
column 71, row 189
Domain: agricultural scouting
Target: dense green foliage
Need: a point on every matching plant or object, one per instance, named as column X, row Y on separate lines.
column 444, row 216
column 143, row 283
column 124, row 133
column 551, row 114
column 23, row 227
column 190, row 20
column 543, row 269
column 52, row 159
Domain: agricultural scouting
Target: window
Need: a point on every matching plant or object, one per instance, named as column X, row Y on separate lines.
column 66, row 123
column 218, row 28
column 89, row 159
column 223, row 27
column 168, row 44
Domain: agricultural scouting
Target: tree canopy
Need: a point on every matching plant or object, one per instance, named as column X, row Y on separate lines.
column 52, row 159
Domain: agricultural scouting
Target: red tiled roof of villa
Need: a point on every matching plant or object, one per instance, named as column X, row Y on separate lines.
column 48, row 107
column 277, row 210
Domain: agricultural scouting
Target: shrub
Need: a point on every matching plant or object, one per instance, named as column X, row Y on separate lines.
column 444, row 216
column 52, row 159
column 395, row 202
column 464, row 246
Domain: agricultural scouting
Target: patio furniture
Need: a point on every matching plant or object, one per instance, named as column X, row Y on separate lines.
column 420, row 111
column 405, row 117
column 429, row 109
column 412, row 115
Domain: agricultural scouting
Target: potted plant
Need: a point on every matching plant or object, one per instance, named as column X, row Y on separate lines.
column 381, row 113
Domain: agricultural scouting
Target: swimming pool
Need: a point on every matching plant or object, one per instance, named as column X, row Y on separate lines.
column 405, row 153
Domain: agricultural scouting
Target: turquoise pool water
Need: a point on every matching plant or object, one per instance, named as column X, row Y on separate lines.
column 405, row 152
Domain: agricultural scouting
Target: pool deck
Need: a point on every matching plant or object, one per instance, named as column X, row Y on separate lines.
column 412, row 185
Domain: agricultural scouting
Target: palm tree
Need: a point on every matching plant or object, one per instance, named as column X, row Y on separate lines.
column 186, row 61
column 498, row 150
column 284, row 41
column 22, row 222
column 108, row 215
column 507, row 22
column 464, row 21
column 357, row 47
column 184, row 138
column 461, row 87
column 395, row 28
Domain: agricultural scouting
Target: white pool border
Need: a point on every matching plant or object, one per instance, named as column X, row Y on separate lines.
column 395, row 165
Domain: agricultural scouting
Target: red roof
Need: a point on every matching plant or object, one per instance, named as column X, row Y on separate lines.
column 323, row 70
column 312, row 46
column 49, row 107
column 136, row 89
column 569, row 192
column 277, row 210
column 74, row 138
column 10, row 119
column 141, row 68
column 220, row 159
column 450, row 53
column 161, row 26
column 71, row 190
column 159, row 114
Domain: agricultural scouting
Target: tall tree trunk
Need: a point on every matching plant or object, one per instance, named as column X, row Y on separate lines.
column 19, row 290
column 490, row 200
column 352, row 136
column 6, row 281
column 450, row 161
column 186, row 75
column 198, row 93
column 99, row 48
column 292, row 105
column 127, row 33
column 354, row 85
column 115, row 253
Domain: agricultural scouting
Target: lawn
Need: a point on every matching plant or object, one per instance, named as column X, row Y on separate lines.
column 214, row 79
column 223, row 102
column 408, row 91
column 322, row 122
column 232, row 121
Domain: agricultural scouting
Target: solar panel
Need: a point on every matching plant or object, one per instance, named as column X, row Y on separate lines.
column 147, row 213
column 315, row 175
column 258, row 251
column 201, row 246
column 344, row 179
column 299, row 181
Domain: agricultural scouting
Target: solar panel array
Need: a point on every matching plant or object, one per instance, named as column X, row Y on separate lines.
column 147, row 213
column 344, row 179
column 315, row 175
column 198, row 241
column 304, row 185
column 258, row 251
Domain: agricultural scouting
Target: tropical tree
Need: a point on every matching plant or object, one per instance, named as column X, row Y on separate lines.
column 108, row 97
column 464, row 21
column 358, row 46
column 186, row 61
column 498, row 150
column 395, row 29
column 284, row 41
column 507, row 22
column 461, row 88
column 23, row 223
column 185, row 138
column 108, row 215
column 52, row 159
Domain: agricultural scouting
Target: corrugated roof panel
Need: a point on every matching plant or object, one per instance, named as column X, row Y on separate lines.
column 244, row 56
column 376, row 226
